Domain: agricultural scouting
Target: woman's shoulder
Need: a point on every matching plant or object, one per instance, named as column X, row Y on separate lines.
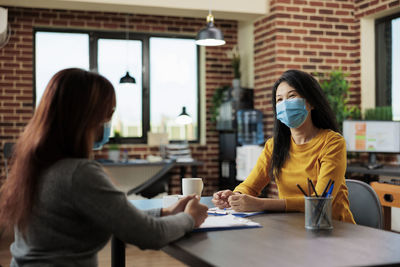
column 332, row 137
column 68, row 167
column 75, row 163
column 269, row 144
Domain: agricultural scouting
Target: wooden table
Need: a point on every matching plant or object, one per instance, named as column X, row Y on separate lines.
column 283, row 241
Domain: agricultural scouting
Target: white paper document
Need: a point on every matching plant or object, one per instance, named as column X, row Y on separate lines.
column 218, row 212
column 229, row 221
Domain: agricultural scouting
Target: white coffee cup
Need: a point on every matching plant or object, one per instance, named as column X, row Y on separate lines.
column 192, row 186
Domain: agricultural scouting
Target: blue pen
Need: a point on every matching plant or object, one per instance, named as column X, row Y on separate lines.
column 330, row 189
column 320, row 207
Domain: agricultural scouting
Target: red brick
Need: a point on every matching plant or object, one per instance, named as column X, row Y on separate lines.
column 394, row 3
column 342, row 13
column 316, row 3
column 325, row 11
column 326, row 26
column 293, row 9
column 309, row 10
column 332, row 5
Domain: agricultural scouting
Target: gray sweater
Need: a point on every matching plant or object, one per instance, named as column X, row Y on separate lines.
column 77, row 210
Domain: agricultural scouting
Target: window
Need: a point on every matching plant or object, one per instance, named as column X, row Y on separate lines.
column 115, row 57
column 165, row 69
column 173, row 72
column 387, row 36
column 55, row 51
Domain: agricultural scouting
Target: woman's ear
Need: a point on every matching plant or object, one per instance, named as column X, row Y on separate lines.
column 309, row 107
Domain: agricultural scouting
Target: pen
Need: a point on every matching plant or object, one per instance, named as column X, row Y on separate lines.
column 321, row 206
column 309, row 187
column 301, row 189
column 326, row 188
column 330, row 189
column 312, row 186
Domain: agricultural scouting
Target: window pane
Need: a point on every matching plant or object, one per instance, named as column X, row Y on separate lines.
column 396, row 68
column 115, row 57
column 174, row 84
column 55, row 51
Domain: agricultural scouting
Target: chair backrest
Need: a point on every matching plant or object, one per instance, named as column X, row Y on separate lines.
column 364, row 204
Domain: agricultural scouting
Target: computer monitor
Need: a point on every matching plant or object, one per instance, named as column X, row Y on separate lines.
column 372, row 137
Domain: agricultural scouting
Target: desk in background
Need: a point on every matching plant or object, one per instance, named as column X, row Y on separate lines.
column 283, row 241
column 144, row 177
column 384, row 170
column 193, row 164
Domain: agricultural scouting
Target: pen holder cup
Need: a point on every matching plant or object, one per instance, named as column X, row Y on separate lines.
column 318, row 213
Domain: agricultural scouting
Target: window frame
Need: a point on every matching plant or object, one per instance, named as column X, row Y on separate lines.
column 94, row 36
column 380, row 66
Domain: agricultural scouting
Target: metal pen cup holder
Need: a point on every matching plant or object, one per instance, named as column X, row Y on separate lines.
column 318, row 213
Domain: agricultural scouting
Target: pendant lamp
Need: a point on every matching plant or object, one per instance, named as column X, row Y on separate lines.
column 127, row 78
column 184, row 118
column 210, row 35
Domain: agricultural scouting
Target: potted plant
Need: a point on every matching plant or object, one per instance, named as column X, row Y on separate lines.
column 216, row 101
column 383, row 113
column 336, row 88
column 113, row 149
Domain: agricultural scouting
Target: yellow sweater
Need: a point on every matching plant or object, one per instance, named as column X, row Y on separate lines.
column 321, row 159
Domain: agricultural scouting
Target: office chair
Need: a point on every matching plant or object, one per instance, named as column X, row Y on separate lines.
column 7, row 153
column 364, row 204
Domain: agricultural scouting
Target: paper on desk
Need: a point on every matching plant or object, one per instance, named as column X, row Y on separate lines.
column 219, row 212
column 215, row 223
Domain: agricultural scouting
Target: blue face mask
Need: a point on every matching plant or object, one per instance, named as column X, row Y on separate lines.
column 292, row 112
column 106, row 135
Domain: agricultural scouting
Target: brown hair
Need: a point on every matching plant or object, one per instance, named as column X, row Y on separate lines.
column 73, row 107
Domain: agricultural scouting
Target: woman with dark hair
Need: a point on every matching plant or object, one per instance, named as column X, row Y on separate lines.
column 62, row 204
column 306, row 144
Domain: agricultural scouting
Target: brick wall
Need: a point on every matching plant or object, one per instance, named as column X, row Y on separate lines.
column 313, row 36
column 16, row 72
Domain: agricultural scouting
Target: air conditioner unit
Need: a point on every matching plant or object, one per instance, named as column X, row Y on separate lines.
column 5, row 30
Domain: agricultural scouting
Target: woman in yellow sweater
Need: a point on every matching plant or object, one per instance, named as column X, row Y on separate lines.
column 306, row 144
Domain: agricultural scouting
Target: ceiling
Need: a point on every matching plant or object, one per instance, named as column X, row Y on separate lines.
column 221, row 9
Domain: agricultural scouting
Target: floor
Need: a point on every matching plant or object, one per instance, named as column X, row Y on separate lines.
column 134, row 256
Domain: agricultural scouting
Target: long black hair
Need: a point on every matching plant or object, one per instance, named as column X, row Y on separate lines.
column 322, row 115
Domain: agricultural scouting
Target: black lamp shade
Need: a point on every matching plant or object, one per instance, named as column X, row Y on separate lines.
column 184, row 117
column 210, row 36
column 127, row 79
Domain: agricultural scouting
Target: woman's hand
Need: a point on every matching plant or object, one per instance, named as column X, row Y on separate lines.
column 197, row 210
column 220, row 198
column 179, row 206
column 243, row 202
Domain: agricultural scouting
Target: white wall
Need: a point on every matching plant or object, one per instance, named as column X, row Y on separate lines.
column 246, row 49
